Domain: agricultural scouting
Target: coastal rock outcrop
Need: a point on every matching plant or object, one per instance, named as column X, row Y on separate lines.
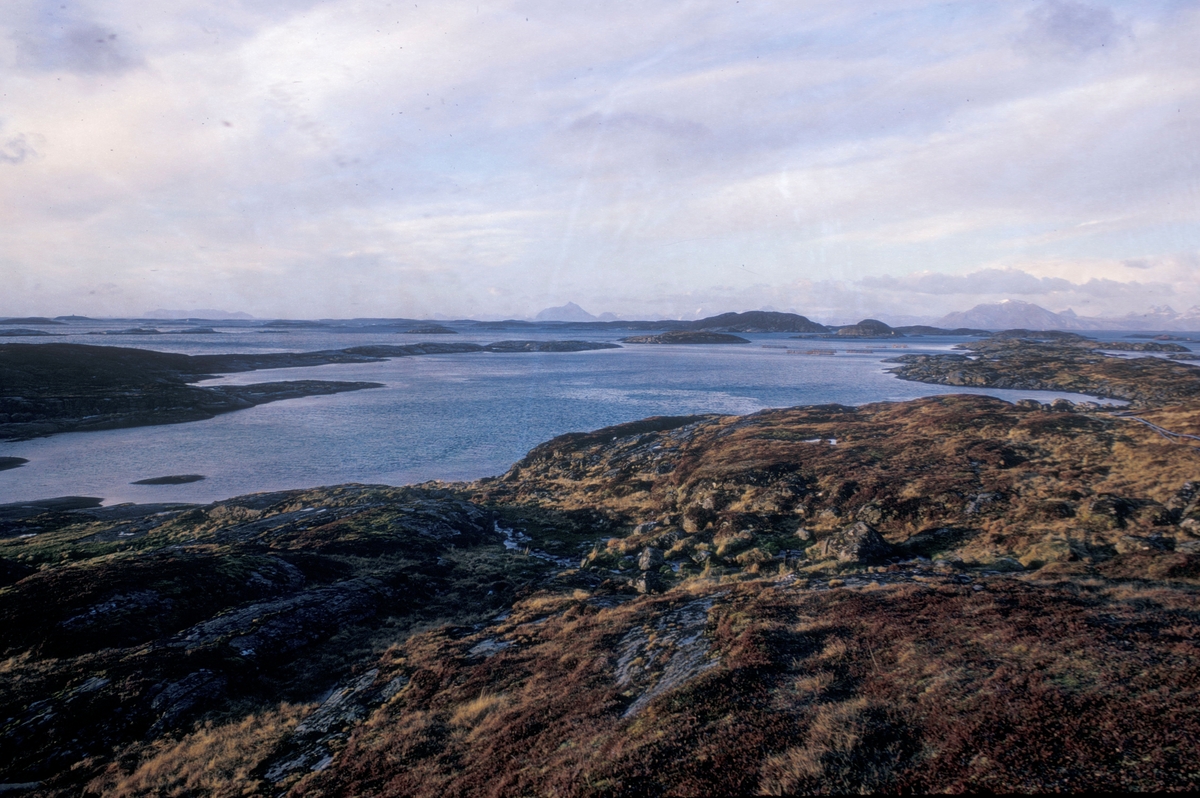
column 1065, row 362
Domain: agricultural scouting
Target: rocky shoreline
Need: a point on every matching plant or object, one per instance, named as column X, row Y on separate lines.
column 1061, row 362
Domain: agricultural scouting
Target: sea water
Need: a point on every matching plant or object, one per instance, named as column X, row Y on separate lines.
column 444, row 417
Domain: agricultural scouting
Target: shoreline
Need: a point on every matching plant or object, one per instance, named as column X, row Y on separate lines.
column 54, row 388
column 1056, row 404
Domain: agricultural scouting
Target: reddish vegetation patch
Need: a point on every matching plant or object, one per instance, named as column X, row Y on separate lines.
column 917, row 688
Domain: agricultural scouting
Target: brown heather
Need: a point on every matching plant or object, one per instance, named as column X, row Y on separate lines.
column 217, row 760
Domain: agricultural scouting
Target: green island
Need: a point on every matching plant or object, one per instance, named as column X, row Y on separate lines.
column 949, row 594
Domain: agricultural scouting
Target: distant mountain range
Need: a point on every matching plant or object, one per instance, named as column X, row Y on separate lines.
column 1011, row 314
column 1006, row 315
column 571, row 312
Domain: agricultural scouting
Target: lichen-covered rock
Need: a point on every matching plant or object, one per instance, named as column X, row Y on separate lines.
column 1108, row 511
column 1184, row 507
column 650, row 559
column 1050, row 550
column 857, row 543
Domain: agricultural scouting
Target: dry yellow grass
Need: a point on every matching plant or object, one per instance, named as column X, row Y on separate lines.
column 829, row 756
column 214, row 760
column 472, row 712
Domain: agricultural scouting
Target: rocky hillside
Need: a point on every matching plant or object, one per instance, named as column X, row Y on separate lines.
column 948, row 594
column 127, row 626
column 968, row 478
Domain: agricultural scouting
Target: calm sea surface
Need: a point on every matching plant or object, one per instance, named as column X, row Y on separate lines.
column 449, row 417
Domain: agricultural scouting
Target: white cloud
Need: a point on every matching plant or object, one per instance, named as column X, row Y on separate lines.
column 652, row 158
column 986, row 281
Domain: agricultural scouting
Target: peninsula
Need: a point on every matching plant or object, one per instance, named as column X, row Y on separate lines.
column 1058, row 361
column 51, row 388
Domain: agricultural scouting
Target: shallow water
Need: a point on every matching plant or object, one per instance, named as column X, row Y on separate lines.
column 448, row 417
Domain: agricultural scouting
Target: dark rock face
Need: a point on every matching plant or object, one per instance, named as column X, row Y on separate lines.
column 857, row 543
column 1185, row 499
column 1184, row 508
column 317, row 738
column 275, row 630
column 173, row 701
column 650, row 582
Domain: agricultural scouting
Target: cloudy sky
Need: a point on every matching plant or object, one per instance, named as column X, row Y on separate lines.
column 337, row 158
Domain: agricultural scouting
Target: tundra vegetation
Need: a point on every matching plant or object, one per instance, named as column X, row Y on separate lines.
column 954, row 593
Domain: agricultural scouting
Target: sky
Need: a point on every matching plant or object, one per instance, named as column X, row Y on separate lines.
column 344, row 158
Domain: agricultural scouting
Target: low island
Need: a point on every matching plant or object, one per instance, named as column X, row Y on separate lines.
column 686, row 337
